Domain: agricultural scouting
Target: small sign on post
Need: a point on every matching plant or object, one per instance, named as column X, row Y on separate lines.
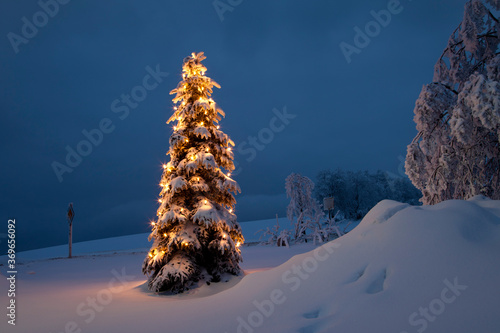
column 328, row 204
column 71, row 214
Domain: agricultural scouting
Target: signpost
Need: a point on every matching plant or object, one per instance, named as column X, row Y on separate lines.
column 328, row 204
column 71, row 214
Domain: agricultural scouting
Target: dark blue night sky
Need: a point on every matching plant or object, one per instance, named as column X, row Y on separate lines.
column 73, row 75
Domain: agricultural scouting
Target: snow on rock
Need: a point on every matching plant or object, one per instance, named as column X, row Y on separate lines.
column 403, row 269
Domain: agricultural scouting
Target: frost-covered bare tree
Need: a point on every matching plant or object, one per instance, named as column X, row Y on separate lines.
column 275, row 235
column 303, row 207
column 456, row 153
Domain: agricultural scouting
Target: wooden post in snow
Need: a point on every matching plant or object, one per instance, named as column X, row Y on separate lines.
column 71, row 214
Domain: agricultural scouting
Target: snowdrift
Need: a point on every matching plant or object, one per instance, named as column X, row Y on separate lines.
column 402, row 269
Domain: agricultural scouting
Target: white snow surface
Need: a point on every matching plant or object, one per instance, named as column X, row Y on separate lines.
column 402, row 269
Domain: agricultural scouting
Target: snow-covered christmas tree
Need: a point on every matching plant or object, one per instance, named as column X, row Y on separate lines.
column 196, row 236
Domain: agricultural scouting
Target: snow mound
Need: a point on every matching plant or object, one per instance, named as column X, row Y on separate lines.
column 403, row 269
column 383, row 211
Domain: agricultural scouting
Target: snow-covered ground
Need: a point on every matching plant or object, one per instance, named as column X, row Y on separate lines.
column 137, row 242
column 402, row 269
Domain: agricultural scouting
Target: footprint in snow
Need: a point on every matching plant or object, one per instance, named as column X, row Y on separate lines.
column 378, row 283
column 311, row 315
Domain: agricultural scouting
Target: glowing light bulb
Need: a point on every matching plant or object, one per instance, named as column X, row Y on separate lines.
column 150, row 255
column 224, row 236
column 164, row 166
column 193, row 157
column 163, row 252
column 218, row 126
column 175, row 128
column 160, row 201
column 152, row 223
column 165, row 235
column 205, row 202
column 238, row 244
column 229, row 174
column 201, row 124
column 207, row 150
column 231, row 210
column 187, row 140
column 182, row 209
column 228, row 148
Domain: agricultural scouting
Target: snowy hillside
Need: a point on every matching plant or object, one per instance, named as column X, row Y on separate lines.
column 402, row 269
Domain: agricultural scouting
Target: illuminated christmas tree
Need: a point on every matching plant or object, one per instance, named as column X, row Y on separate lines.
column 196, row 236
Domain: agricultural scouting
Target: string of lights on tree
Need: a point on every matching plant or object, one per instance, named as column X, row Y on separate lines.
column 196, row 236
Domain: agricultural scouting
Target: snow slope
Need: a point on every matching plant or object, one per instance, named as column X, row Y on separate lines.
column 402, row 269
